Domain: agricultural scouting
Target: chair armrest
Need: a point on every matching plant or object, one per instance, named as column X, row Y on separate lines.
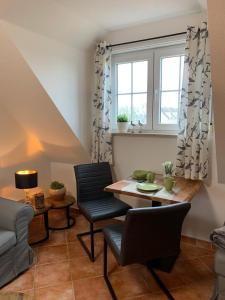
column 15, row 216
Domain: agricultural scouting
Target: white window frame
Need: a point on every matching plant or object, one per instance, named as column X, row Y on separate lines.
column 153, row 55
column 158, row 55
column 133, row 57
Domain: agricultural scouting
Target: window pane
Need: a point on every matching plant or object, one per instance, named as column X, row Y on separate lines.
column 181, row 71
column 124, row 78
column 169, row 107
column 140, row 77
column 124, row 105
column 170, row 68
column 139, row 108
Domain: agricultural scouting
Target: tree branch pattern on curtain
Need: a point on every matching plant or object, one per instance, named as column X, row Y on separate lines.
column 195, row 107
column 101, row 106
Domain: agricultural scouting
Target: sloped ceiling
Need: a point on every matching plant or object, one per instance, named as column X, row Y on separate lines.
column 81, row 22
column 64, row 73
column 29, row 104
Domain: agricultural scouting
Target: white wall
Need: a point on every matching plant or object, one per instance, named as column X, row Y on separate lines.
column 64, row 173
column 217, row 36
column 33, row 133
column 19, row 151
column 148, row 152
column 152, row 29
column 63, row 71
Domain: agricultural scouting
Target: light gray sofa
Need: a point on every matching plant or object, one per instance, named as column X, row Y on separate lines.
column 218, row 239
column 15, row 253
column 220, row 274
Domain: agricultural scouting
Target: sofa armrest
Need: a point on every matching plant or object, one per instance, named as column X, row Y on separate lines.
column 15, row 216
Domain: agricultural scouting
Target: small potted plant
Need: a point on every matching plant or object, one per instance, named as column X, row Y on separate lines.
column 122, row 122
column 57, row 190
column 169, row 181
column 168, row 168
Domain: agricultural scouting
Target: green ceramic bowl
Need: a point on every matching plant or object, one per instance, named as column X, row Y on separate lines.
column 139, row 174
column 148, row 187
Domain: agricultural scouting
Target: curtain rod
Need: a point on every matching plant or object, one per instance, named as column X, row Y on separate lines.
column 148, row 39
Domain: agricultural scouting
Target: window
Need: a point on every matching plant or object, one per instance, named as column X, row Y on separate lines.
column 147, row 86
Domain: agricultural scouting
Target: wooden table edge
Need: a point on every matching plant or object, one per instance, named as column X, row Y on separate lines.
column 152, row 197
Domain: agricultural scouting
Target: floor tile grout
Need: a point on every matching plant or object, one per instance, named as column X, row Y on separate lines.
column 69, row 239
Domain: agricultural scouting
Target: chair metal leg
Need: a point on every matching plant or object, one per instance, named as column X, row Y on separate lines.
column 160, row 283
column 105, row 265
column 92, row 242
column 91, row 253
column 155, row 276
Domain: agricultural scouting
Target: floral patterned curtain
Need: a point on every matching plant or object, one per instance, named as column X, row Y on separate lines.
column 101, row 106
column 192, row 141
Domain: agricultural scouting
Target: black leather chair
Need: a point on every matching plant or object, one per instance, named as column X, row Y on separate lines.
column 94, row 203
column 149, row 236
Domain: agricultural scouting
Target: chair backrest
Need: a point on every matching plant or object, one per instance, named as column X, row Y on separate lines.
column 153, row 232
column 91, row 180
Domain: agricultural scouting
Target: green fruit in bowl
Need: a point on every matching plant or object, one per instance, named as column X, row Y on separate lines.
column 150, row 177
column 139, row 174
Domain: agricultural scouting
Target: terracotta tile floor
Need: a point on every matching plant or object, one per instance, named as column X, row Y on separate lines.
column 62, row 271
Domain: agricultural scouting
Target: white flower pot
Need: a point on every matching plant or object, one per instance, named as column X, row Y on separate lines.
column 57, row 194
column 122, row 126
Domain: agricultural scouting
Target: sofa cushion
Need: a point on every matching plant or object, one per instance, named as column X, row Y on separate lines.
column 7, row 240
column 220, row 262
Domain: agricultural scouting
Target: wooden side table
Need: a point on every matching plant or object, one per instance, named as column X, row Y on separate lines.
column 63, row 204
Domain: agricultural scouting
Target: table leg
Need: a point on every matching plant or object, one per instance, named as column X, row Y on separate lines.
column 68, row 216
column 46, row 230
column 46, row 224
column 70, row 221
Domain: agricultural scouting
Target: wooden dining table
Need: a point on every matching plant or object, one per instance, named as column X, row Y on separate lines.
column 183, row 191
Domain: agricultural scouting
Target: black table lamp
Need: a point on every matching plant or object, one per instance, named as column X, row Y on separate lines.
column 26, row 179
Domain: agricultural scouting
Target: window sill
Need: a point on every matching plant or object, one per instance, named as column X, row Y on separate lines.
column 145, row 133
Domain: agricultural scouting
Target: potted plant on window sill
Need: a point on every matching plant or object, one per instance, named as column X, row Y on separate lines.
column 122, row 123
column 57, row 190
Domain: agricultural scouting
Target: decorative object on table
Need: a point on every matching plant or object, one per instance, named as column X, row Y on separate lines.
column 39, row 200
column 66, row 203
column 140, row 175
column 150, row 177
column 168, row 168
column 169, row 183
column 132, row 127
column 140, row 126
column 26, row 179
column 57, row 190
column 148, row 187
column 122, row 122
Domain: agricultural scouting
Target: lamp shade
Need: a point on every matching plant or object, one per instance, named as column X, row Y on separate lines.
column 26, row 179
